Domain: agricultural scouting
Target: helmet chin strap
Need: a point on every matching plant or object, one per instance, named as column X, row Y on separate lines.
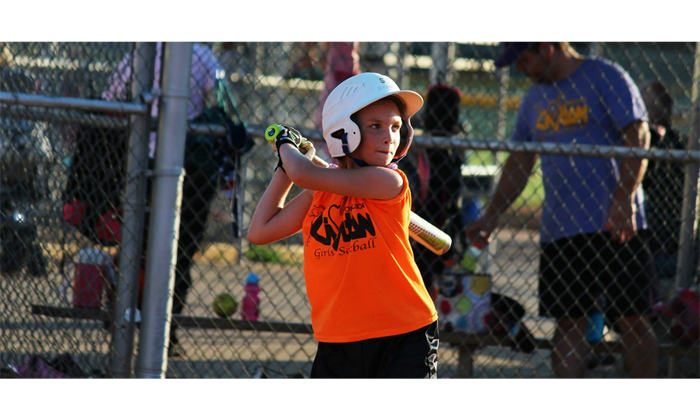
column 346, row 150
column 362, row 163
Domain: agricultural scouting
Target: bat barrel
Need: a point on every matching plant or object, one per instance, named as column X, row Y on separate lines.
column 428, row 235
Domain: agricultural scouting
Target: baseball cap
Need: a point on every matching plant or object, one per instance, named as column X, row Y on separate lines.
column 511, row 51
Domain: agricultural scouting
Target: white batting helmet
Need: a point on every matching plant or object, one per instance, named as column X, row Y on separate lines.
column 354, row 94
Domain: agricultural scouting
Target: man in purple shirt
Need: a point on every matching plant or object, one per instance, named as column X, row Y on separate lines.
column 592, row 259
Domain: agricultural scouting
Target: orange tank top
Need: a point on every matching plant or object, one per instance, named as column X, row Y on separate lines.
column 361, row 277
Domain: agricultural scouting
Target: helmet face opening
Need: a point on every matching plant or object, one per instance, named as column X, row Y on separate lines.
column 356, row 93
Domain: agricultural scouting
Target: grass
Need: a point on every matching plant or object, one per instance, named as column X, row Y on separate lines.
column 266, row 253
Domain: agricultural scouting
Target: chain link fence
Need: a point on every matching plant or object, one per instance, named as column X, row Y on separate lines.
column 79, row 123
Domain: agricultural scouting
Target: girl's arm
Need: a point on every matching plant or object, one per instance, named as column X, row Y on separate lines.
column 371, row 182
column 273, row 220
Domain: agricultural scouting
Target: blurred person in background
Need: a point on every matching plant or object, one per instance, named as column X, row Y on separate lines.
column 593, row 207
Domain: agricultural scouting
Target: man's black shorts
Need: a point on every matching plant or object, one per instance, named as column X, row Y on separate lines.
column 410, row 355
column 577, row 270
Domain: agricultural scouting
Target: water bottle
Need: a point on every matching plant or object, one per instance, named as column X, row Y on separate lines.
column 594, row 329
column 470, row 259
column 596, row 322
column 251, row 300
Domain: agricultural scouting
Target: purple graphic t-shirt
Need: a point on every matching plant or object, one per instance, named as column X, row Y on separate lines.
column 590, row 107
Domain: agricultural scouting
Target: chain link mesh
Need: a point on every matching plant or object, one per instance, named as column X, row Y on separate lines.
column 54, row 154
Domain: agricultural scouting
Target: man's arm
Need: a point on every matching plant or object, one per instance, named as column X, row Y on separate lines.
column 516, row 172
column 622, row 215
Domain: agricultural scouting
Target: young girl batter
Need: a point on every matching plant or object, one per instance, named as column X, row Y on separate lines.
column 370, row 311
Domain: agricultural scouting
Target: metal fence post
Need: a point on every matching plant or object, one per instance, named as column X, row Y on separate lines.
column 133, row 205
column 690, row 188
column 165, row 213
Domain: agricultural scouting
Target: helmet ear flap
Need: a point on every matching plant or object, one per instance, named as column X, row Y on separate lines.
column 406, row 134
column 344, row 140
column 404, row 130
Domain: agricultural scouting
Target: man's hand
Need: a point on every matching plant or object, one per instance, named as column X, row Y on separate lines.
column 516, row 171
column 482, row 229
column 622, row 219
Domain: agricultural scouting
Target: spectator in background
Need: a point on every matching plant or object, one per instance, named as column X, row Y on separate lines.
column 663, row 183
column 593, row 207
column 197, row 190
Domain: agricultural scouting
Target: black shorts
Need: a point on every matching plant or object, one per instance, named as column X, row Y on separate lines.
column 588, row 271
column 410, row 355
